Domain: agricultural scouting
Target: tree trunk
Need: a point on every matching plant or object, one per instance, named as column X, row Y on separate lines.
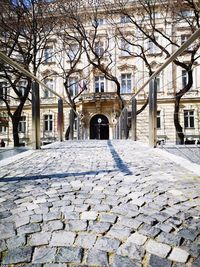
column 178, row 127
column 15, row 124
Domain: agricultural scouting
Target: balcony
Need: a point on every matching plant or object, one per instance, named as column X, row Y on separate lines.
column 93, row 97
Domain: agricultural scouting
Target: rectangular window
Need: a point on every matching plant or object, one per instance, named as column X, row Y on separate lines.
column 3, row 90
column 73, row 51
column 22, row 88
column 152, row 47
column 99, row 84
column 22, row 124
column 184, row 78
column 49, row 83
column 155, row 84
column 158, row 120
column 48, row 123
column 3, row 129
column 99, row 48
column 73, row 86
column 48, row 55
column 125, row 47
column 189, row 118
column 126, row 83
column 100, row 21
column 125, row 19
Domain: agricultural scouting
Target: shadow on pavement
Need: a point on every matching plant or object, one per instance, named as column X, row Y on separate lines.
column 118, row 161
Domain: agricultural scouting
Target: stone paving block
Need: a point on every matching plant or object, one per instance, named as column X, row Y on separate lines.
column 55, row 265
column 119, row 233
column 89, row 215
column 44, row 255
column 69, row 254
column 36, row 218
column 131, row 250
column 7, row 231
column 17, row 255
column 39, row 239
column 178, row 255
column 98, row 227
column 157, row 248
column 62, row 238
column 107, row 217
column 137, row 239
column 196, row 262
column 29, row 228
column 51, row 216
column 149, row 231
column 170, row 239
column 120, row 261
column 156, row 261
column 97, row 258
column 52, row 226
column 107, row 244
column 101, row 208
column 129, row 222
column 17, row 241
column 72, row 215
column 20, row 221
column 188, row 234
column 85, row 240
column 2, row 245
column 76, row 225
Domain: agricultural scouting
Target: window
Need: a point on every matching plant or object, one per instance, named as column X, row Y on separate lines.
column 158, row 120
column 99, row 84
column 184, row 78
column 22, row 124
column 48, row 123
column 3, row 90
column 21, row 88
column 125, row 19
column 73, row 51
column 49, row 83
column 126, row 84
column 99, row 21
column 155, row 84
column 75, row 124
column 125, row 47
column 99, row 48
column 3, row 128
column 152, row 47
column 189, row 118
column 48, row 55
column 184, row 38
column 73, row 86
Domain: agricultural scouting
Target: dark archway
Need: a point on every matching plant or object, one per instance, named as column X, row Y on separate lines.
column 99, row 127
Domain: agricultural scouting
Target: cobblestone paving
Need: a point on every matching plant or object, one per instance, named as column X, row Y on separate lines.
column 98, row 203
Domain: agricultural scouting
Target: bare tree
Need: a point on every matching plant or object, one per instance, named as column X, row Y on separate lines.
column 144, row 17
column 25, row 30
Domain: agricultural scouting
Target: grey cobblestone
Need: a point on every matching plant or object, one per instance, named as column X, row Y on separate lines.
column 69, row 254
column 158, row 249
column 18, row 255
column 86, row 210
column 97, row 258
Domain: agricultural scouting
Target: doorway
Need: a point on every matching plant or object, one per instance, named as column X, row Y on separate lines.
column 99, row 127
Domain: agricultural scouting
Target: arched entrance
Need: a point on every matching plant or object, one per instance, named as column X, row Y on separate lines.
column 99, row 127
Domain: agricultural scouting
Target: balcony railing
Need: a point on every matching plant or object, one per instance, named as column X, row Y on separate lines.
column 98, row 96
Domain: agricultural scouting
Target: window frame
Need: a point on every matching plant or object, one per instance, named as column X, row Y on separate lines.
column 189, row 121
column 48, row 122
column 126, row 80
column 22, row 126
column 98, row 82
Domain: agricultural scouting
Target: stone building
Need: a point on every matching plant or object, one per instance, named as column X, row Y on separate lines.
column 99, row 105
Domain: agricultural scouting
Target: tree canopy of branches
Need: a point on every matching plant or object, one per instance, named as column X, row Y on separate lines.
column 25, row 30
column 159, row 22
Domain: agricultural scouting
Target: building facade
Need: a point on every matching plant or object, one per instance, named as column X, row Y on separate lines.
column 117, row 45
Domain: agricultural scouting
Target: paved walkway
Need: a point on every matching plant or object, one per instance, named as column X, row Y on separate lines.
column 98, row 203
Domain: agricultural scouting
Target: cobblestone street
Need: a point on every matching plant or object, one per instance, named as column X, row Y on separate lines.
column 98, row 203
